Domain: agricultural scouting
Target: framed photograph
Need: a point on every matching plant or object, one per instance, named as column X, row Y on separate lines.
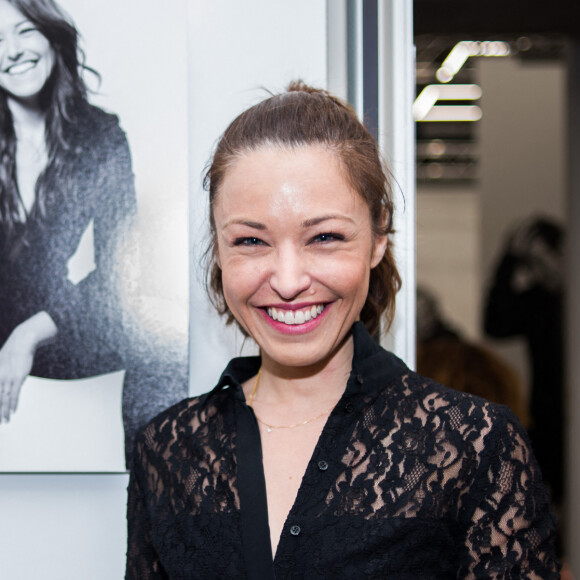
column 93, row 228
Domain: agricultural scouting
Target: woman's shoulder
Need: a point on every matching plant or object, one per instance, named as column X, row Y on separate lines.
column 194, row 426
column 452, row 414
column 94, row 125
column 183, row 419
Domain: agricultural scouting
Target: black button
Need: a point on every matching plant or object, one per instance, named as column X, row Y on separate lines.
column 349, row 407
column 322, row 465
column 359, row 379
column 295, row 530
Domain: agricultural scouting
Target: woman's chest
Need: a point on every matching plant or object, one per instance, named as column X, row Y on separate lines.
column 286, row 455
column 209, row 546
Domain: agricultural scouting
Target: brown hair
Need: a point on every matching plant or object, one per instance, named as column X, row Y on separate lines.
column 299, row 117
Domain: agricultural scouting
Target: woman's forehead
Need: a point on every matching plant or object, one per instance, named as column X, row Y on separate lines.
column 284, row 169
column 278, row 186
column 266, row 163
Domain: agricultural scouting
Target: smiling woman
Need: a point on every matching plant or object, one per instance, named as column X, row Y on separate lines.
column 65, row 177
column 65, row 168
column 324, row 457
column 281, row 251
column 26, row 57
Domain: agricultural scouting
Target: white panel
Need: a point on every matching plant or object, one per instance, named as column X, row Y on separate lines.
column 397, row 141
column 90, row 439
column 337, row 63
column 355, row 25
column 62, row 527
column 238, row 49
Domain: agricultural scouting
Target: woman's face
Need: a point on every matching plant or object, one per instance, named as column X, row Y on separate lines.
column 26, row 57
column 295, row 245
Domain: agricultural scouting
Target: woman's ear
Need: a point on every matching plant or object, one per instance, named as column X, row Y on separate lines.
column 379, row 249
column 216, row 253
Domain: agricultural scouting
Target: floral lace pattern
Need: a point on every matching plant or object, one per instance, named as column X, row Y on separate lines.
column 409, row 480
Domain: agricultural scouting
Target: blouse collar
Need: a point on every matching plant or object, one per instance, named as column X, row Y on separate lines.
column 370, row 363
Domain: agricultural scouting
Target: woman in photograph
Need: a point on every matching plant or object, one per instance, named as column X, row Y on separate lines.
column 324, row 456
column 65, row 175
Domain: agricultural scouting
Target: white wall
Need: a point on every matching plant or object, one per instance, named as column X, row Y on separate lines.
column 448, row 252
column 62, row 527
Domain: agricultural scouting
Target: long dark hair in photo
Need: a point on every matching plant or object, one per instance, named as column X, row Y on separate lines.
column 63, row 100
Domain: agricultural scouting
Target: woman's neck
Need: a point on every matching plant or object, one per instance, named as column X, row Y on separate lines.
column 31, row 151
column 303, row 386
column 29, row 119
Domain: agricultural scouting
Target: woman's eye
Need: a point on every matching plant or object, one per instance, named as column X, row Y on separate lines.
column 328, row 237
column 248, row 242
column 28, row 29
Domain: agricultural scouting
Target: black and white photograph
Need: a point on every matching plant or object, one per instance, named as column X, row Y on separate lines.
column 93, row 229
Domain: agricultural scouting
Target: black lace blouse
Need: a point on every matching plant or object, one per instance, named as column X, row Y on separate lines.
column 409, row 480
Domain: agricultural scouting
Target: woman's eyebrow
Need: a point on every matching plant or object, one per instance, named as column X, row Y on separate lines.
column 23, row 23
column 318, row 220
column 243, row 222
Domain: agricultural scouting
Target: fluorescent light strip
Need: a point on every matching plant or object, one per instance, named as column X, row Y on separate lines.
column 433, row 93
column 463, row 50
column 453, row 113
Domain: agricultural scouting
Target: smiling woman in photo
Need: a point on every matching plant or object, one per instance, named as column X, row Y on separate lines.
column 65, row 172
column 324, row 456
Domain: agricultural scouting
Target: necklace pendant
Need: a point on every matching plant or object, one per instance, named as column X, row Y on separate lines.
column 269, row 429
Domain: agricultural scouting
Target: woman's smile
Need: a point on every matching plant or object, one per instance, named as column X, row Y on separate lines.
column 293, row 320
column 298, row 316
column 26, row 56
column 21, row 67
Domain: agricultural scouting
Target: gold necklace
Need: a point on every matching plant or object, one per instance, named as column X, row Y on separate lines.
column 270, row 428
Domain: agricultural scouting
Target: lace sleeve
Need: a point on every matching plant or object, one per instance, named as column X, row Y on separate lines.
column 510, row 525
column 142, row 559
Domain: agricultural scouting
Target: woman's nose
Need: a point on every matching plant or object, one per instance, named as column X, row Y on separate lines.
column 13, row 47
column 290, row 276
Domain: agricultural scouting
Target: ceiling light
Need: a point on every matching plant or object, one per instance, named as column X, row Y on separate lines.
column 455, row 113
column 429, row 96
column 468, row 48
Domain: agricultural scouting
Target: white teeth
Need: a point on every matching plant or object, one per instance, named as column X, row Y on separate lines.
column 292, row 317
column 20, row 68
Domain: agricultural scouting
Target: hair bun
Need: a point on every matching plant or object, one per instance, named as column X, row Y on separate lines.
column 302, row 87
